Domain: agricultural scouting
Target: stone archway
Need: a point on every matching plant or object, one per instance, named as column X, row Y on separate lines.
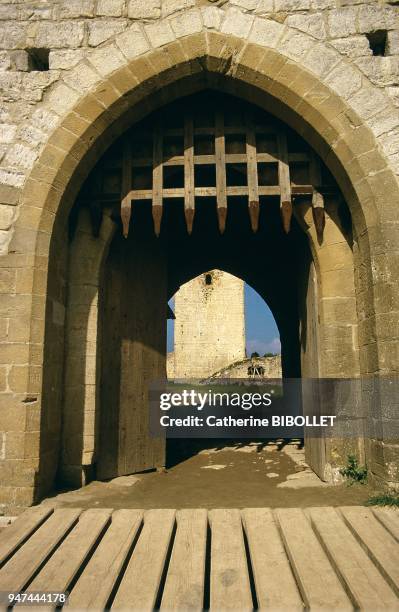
column 329, row 289
column 262, row 56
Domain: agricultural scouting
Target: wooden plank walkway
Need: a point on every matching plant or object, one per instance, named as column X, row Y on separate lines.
column 228, row 559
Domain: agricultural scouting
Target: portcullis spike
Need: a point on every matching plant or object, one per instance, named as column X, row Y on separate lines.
column 286, row 215
column 126, row 210
column 189, row 214
column 319, row 219
column 253, row 208
column 157, row 217
column 222, row 216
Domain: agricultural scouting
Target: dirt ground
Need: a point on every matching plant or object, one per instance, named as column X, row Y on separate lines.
column 209, row 474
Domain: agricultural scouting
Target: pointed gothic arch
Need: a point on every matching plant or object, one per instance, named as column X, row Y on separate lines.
column 253, row 66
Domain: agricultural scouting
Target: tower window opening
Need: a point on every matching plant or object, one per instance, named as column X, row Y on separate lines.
column 377, row 42
column 38, row 59
column 208, row 279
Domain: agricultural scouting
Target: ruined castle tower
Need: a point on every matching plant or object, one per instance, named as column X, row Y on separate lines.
column 209, row 325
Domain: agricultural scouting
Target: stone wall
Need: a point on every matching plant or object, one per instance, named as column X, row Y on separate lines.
column 209, row 325
column 83, row 39
column 170, row 365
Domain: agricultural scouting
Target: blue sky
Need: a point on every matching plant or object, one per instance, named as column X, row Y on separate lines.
column 260, row 328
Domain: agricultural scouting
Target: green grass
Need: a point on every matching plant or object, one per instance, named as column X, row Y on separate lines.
column 354, row 472
column 384, row 499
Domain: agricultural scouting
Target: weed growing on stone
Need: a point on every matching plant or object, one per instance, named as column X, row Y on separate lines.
column 354, row 472
column 384, row 499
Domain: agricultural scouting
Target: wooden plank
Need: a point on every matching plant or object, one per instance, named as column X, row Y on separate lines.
column 252, row 174
column 301, row 189
column 389, row 517
column 317, row 198
column 284, row 181
column 362, row 580
column 264, row 190
column 378, row 543
column 230, row 586
column 142, row 356
column 184, row 587
column 141, row 581
column 220, row 152
column 64, row 564
column 157, row 178
column 317, row 581
column 275, row 584
column 126, row 201
column 95, row 585
column 16, row 574
column 189, row 200
column 12, row 537
column 231, row 158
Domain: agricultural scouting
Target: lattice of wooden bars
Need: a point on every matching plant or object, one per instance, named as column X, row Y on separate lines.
column 220, row 160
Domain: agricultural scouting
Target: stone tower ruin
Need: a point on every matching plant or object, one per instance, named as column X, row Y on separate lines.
column 209, row 325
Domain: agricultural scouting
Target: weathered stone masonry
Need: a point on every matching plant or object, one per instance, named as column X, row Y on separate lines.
column 105, row 60
column 209, row 329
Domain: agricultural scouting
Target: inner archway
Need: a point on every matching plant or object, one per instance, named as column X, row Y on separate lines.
column 217, row 323
column 221, row 335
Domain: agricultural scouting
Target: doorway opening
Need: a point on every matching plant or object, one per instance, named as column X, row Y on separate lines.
column 209, row 182
column 219, row 332
column 229, row 330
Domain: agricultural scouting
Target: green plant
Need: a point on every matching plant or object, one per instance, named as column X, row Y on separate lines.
column 353, row 471
column 384, row 499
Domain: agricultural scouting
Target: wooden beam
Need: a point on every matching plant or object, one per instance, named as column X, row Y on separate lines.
column 231, row 158
column 189, row 200
column 264, row 190
column 319, row 217
column 220, row 151
column 285, row 182
column 126, row 200
column 157, row 179
column 252, row 174
column 206, row 192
